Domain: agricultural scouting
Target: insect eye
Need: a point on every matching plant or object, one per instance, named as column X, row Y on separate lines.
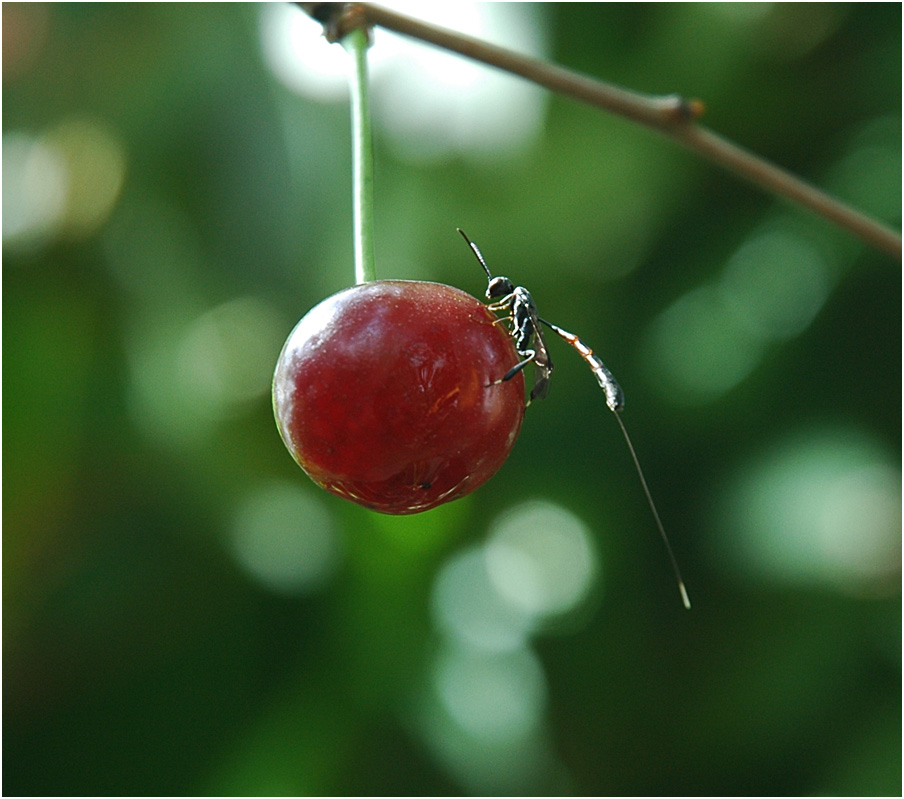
column 499, row 287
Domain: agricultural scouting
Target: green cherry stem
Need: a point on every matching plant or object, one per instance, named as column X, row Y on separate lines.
column 356, row 43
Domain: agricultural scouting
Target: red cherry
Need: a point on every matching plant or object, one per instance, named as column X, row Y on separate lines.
column 384, row 394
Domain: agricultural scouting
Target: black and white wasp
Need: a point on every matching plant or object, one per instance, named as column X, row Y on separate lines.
column 526, row 328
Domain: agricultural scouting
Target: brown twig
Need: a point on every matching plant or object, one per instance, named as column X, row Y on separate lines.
column 671, row 115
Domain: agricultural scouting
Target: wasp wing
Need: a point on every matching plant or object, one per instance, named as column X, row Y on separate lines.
column 543, row 365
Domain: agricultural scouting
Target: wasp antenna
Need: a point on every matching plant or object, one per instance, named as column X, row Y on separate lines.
column 476, row 252
column 665, row 539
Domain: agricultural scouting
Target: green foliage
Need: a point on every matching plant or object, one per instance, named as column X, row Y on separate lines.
column 171, row 209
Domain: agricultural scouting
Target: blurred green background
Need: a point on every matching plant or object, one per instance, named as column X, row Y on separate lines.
column 185, row 613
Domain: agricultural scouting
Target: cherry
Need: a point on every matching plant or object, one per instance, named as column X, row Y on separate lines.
column 384, row 394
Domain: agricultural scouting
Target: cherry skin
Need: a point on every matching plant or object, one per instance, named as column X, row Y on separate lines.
column 384, row 394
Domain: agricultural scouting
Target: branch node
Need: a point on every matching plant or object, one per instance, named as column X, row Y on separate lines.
column 678, row 110
column 338, row 19
column 696, row 108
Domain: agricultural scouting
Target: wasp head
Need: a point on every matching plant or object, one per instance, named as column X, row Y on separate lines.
column 499, row 287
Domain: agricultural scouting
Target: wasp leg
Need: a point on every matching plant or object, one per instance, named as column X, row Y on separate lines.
column 516, row 368
column 505, row 304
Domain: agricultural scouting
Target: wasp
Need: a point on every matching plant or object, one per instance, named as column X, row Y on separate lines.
column 526, row 327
